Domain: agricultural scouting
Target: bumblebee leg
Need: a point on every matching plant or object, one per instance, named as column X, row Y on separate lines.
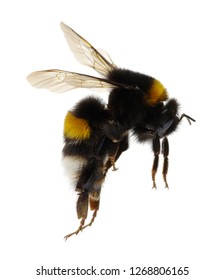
column 156, row 151
column 91, row 173
column 91, row 195
column 120, row 148
column 112, row 158
column 84, row 175
column 123, row 146
column 94, row 205
column 92, row 220
column 112, row 150
column 78, row 230
column 82, row 211
column 165, row 152
column 94, row 194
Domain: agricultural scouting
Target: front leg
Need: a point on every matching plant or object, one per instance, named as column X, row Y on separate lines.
column 165, row 152
column 144, row 134
column 156, row 151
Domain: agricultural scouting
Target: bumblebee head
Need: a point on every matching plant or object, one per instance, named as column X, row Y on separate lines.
column 114, row 130
column 168, row 119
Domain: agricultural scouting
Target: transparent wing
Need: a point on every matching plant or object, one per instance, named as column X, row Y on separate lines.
column 85, row 53
column 61, row 81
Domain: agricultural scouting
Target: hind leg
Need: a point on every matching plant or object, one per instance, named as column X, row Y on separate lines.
column 94, row 205
column 82, row 211
column 89, row 187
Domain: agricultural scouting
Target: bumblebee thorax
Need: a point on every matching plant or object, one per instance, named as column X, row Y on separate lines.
column 156, row 93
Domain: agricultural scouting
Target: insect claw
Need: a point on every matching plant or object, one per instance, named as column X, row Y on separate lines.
column 82, row 227
column 114, row 168
column 70, row 234
column 77, row 231
column 153, row 180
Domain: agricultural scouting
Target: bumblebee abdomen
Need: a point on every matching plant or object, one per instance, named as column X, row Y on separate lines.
column 83, row 128
column 76, row 128
column 82, row 122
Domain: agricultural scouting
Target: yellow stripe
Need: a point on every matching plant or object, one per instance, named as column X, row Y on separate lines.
column 76, row 128
column 156, row 93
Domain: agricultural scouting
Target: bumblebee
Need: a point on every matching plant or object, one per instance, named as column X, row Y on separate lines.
column 95, row 133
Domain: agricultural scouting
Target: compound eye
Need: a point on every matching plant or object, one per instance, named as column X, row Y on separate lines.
column 164, row 111
column 161, row 131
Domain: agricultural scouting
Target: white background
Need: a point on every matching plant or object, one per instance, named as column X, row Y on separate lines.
column 178, row 42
